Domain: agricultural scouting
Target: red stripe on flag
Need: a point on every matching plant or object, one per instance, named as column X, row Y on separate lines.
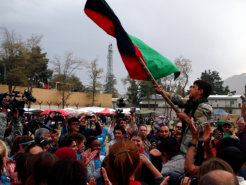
column 102, row 21
column 135, row 70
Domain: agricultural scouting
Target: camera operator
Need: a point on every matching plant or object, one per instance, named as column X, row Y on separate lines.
column 89, row 131
column 14, row 123
column 120, row 120
column 53, row 117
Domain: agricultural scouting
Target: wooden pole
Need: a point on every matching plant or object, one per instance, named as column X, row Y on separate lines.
column 155, row 83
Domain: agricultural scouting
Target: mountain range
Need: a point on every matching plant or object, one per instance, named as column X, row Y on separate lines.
column 236, row 83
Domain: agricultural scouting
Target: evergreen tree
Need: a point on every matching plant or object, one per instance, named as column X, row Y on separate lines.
column 214, row 79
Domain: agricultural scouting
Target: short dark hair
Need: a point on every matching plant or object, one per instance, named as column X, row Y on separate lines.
column 66, row 142
column 89, row 141
column 205, row 86
column 117, row 127
column 72, row 119
column 76, row 136
column 233, row 156
column 170, row 146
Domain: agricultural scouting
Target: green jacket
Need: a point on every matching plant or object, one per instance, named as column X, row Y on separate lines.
column 201, row 116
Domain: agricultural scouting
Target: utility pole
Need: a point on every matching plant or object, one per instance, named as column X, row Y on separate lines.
column 109, row 76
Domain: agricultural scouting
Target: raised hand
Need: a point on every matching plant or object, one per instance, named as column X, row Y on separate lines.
column 207, row 133
column 92, row 181
column 10, row 168
column 87, row 156
column 105, row 176
column 195, row 131
column 165, row 181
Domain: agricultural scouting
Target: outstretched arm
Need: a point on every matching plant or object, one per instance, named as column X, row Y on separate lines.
column 159, row 89
column 189, row 160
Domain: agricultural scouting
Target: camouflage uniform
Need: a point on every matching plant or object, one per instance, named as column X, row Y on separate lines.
column 3, row 123
column 17, row 130
column 201, row 116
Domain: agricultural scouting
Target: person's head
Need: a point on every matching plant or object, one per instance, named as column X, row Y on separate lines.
column 228, row 126
column 45, row 144
column 143, row 129
column 73, row 124
column 119, row 133
column 123, row 160
column 122, row 123
column 65, row 152
column 3, row 153
column 52, row 114
column 138, row 139
column 233, row 156
column 79, row 139
column 213, row 164
column 67, row 171
column 40, row 167
column 169, row 147
column 20, row 144
column 93, row 143
column 218, row 177
column 22, row 165
column 68, row 142
column 34, row 149
column 54, row 134
column 226, row 142
column 42, row 133
column 200, row 89
column 164, row 132
column 178, row 127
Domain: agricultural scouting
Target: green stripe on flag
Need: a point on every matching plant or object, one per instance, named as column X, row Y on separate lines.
column 158, row 65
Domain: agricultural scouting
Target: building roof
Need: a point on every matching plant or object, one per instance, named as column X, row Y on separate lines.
column 224, row 96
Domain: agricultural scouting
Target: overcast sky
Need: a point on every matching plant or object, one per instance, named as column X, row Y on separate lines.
column 211, row 33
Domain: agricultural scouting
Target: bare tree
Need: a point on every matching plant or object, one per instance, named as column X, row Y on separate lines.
column 184, row 66
column 63, row 70
column 95, row 74
column 178, row 85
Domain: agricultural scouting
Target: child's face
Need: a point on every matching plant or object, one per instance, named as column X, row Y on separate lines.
column 96, row 145
column 138, row 141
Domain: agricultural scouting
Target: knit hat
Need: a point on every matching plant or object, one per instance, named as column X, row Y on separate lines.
column 66, row 152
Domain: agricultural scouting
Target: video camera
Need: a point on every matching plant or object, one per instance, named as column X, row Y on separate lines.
column 121, row 102
column 175, row 178
column 29, row 96
column 119, row 114
column 33, row 125
column 15, row 104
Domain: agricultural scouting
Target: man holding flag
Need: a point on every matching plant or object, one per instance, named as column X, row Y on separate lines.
column 144, row 63
column 195, row 107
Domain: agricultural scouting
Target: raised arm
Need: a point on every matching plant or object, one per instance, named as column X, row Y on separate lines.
column 189, row 160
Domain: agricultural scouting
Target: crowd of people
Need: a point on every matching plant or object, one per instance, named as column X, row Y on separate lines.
column 82, row 150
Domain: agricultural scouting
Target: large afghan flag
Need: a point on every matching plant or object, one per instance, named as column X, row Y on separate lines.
column 129, row 46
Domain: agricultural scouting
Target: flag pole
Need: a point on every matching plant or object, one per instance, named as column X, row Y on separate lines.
column 155, row 83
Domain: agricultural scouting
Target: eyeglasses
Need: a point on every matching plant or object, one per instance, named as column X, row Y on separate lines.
column 178, row 127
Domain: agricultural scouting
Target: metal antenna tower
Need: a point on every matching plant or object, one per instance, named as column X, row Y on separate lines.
column 109, row 75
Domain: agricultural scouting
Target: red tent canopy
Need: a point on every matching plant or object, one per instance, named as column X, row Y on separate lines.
column 106, row 111
column 63, row 112
column 47, row 112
